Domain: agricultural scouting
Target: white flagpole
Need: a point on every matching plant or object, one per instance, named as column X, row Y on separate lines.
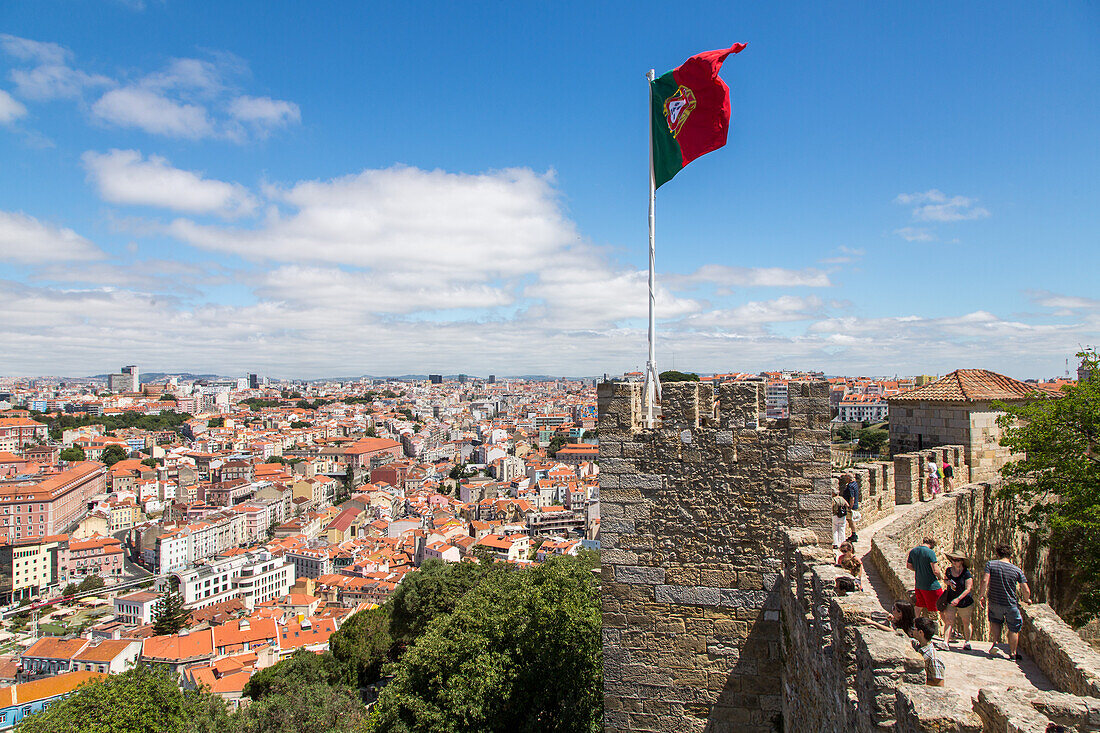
column 652, row 382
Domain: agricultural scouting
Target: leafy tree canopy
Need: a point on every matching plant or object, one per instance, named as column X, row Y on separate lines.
column 309, row 707
column 74, row 453
column 432, row 591
column 872, row 441
column 113, row 453
column 521, row 653
column 215, row 422
column 363, row 644
column 140, row 700
column 675, row 376
column 300, row 668
column 92, row 582
column 167, row 420
column 1059, row 478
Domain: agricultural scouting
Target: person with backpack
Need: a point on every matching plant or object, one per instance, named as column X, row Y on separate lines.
column 840, row 517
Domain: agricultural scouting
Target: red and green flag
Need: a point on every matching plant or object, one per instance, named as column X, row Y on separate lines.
column 691, row 112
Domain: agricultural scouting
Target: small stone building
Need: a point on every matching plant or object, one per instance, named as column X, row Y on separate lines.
column 957, row 409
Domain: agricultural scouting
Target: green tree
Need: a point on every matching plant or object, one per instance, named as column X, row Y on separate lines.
column 1058, row 480
column 308, row 707
column 92, row 582
column 363, row 644
column 521, row 652
column 432, row 591
column 216, row 422
column 458, row 471
column 113, row 453
column 169, row 615
column 846, row 433
column 300, row 668
column 872, row 441
column 371, row 432
column 74, row 453
column 675, row 376
column 557, row 442
column 150, row 462
column 295, row 424
column 166, row 398
column 139, row 700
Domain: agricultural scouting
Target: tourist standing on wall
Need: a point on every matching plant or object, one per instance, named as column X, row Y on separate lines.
column 924, row 564
column 840, row 515
column 948, row 476
column 999, row 587
column 933, row 472
column 850, row 493
column 958, row 597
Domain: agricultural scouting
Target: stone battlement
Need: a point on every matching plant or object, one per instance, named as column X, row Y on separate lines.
column 718, row 586
column 692, row 515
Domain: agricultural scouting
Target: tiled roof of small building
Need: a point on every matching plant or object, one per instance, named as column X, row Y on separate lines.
column 968, row 385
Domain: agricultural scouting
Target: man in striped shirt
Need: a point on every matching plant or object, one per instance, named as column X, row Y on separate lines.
column 999, row 585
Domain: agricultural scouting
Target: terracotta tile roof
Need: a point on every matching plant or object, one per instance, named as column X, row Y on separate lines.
column 968, row 385
column 43, row 689
column 105, row 651
column 53, row 647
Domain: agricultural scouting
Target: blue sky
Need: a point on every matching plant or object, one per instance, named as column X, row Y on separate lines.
column 309, row 190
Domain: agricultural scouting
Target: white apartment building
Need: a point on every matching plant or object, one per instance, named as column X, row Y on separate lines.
column 253, row 577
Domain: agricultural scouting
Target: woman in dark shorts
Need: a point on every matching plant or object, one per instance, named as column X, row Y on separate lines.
column 948, row 476
column 958, row 597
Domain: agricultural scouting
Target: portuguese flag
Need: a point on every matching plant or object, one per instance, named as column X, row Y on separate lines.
column 691, row 112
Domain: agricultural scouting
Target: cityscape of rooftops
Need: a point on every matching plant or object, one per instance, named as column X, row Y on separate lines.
column 327, row 400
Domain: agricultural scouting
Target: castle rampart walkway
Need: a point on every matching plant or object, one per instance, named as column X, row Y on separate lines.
column 967, row 671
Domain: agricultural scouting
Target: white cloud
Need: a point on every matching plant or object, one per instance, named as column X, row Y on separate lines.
column 755, row 315
column 915, row 234
column 767, row 277
column 10, row 108
column 845, row 256
column 50, row 75
column 38, row 52
column 934, row 205
column 153, row 113
column 446, row 226
column 26, row 240
column 123, row 177
column 1067, row 302
column 264, row 111
column 363, row 293
column 190, row 98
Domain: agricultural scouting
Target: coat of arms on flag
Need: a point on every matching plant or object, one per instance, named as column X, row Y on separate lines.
column 677, row 109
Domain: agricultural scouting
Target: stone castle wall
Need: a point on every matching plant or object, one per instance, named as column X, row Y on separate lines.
column 692, row 518
column 840, row 673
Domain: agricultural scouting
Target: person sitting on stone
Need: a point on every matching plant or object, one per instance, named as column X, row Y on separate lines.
column 850, row 562
column 924, row 629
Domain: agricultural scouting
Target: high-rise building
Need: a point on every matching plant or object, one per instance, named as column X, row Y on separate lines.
column 435, row 378
column 120, row 382
column 132, row 371
column 462, row 379
column 492, row 379
column 253, row 381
